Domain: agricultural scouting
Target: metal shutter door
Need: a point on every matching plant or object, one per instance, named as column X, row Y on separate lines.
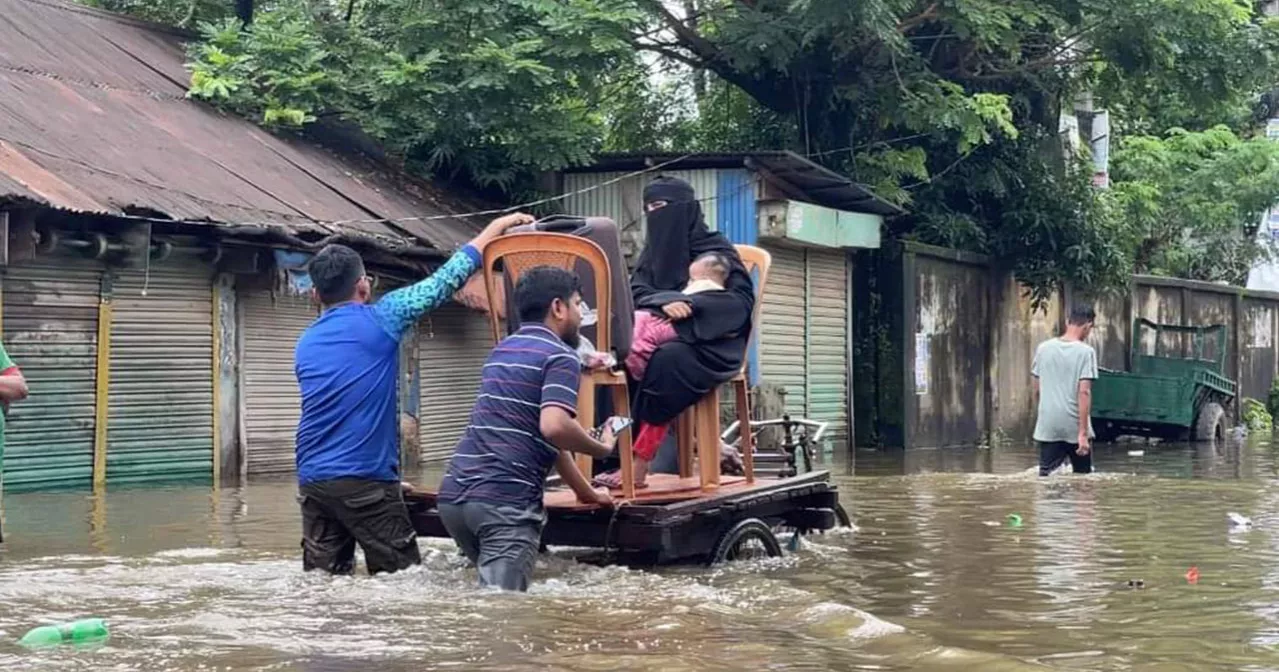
column 453, row 343
column 828, row 341
column 160, row 422
column 51, row 332
column 270, row 327
column 781, row 347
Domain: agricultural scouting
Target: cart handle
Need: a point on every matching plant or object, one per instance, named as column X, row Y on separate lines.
column 760, row 424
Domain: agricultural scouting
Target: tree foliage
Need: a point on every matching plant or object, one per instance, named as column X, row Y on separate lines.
column 951, row 108
column 1191, row 202
column 491, row 91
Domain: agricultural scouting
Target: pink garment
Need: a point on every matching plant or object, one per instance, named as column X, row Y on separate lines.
column 650, row 332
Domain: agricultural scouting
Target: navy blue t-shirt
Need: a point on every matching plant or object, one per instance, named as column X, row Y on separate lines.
column 347, row 365
column 503, row 457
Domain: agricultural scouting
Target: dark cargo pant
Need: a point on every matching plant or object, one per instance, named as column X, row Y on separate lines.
column 1053, row 454
column 502, row 541
column 339, row 513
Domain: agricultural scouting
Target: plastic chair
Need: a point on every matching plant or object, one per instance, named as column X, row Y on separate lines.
column 520, row 252
column 700, row 422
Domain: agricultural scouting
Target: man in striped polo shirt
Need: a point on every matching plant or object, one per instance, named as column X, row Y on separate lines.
column 522, row 425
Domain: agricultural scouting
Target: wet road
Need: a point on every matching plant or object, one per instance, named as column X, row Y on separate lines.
column 933, row 578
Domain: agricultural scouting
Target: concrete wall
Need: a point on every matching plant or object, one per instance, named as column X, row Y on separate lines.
column 948, row 339
column 960, row 337
column 1017, row 329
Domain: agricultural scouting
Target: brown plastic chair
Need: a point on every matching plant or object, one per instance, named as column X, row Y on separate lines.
column 520, row 252
column 701, row 421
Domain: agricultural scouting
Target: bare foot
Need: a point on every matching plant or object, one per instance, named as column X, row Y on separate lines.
column 613, row 479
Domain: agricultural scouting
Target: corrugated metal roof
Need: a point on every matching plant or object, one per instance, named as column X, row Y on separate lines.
column 93, row 118
column 818, row 184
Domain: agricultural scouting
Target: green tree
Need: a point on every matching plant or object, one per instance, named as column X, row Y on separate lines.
column 1192, row 201
column 952, row 108
column 490, row 92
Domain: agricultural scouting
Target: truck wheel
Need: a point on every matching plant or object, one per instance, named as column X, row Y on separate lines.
column 1211, row 424
column 1106, row 432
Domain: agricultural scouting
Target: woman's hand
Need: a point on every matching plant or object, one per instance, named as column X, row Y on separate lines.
column 678, row 310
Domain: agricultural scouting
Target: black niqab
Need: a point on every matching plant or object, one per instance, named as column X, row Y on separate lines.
column 712, row 343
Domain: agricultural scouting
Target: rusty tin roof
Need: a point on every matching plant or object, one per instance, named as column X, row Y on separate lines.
column 93, row 118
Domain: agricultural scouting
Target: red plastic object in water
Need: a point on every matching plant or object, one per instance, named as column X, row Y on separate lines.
column 1192, row 576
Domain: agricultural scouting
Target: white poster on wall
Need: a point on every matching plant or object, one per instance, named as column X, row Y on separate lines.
column 922, row 360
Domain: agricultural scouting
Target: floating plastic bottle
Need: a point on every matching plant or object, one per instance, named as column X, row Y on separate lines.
column 1014, row 520
column 87, row 631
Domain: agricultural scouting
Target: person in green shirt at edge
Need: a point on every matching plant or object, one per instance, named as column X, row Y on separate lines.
column 13, row 387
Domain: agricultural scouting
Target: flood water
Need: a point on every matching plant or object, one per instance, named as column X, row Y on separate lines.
column 934, row 577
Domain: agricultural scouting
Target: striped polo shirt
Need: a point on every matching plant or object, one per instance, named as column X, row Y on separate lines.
column 503, row 458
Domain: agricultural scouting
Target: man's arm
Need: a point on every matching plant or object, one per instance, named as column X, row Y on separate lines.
column 398, row 310
column 563, row 431
column 1085, row 410
column 573, row 478
column 558, row 422
column 13, row 386
column 1088, row 373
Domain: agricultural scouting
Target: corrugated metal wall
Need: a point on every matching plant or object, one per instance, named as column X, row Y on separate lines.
column 736, row 214
column 51, row 332
column 705, row 184
column 453, row 343
column 738, row 221
column 270, row 326
column 782, row 357
column 160, row 422
column 619, row 201
column 622, row 201
column 827, row 351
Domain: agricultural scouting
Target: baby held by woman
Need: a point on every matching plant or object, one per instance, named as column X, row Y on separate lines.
column 707, row 273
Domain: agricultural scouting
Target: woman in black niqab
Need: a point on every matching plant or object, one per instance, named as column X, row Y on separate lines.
column 712, row 328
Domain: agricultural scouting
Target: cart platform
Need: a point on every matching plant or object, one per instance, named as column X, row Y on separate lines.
column 674, row 520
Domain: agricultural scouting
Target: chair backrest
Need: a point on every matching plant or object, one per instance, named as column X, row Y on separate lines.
column 519, row 252
column 757, row 262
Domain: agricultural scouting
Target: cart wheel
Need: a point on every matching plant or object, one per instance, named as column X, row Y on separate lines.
column 748, row 539
column 1211, row 424
column 842, row 516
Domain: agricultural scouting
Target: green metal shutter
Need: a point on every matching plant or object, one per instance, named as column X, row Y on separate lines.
column 781, row 350
column 453, row 343
column 51, row 332
column 828, row 341
column 270, row 328
column 160, row 422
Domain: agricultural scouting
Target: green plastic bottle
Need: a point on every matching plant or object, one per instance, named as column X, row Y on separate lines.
column 87, row 631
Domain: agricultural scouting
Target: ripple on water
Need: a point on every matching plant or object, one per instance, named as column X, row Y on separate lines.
column 924, row 582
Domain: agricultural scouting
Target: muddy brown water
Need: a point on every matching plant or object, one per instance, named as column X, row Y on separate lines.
column 933, row 578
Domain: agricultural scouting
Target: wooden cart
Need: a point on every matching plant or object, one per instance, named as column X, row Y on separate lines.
column 672, row 520
column 697, row 515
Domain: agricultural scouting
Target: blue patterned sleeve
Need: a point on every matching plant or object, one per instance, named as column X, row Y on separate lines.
column 398, row 310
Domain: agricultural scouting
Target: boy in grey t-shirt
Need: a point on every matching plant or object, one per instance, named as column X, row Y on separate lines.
column 1064, row 369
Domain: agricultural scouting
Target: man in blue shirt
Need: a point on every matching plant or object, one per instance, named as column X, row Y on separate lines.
column 522, row 425
column 347, row 365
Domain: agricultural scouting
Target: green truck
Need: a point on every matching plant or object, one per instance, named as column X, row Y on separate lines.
column 1176, row 394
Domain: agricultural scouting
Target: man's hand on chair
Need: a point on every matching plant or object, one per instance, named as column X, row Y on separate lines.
column 499, row 226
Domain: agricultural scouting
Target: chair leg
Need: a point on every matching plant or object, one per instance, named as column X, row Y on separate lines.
column 586, row 417
column 707, row 412
column 744, row 423
column 685, row 428
column 625, row 443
